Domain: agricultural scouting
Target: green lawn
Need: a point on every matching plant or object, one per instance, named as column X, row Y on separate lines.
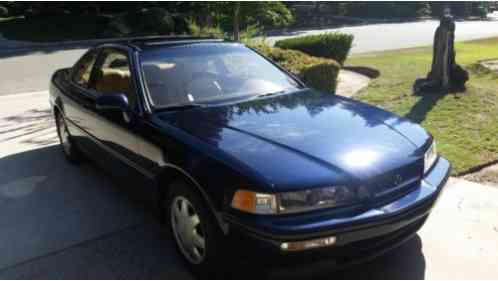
column 465, row 125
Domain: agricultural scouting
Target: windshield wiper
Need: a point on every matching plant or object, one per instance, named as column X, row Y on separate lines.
column 182, row 106
column 270, row 94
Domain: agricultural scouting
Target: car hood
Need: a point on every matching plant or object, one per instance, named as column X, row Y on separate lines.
column 309, row 138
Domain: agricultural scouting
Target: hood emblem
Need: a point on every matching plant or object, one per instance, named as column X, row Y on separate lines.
column 363, row 192
column 398, row 179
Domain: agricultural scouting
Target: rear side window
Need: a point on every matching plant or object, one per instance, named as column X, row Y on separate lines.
column 83, row 69
column 113, row 75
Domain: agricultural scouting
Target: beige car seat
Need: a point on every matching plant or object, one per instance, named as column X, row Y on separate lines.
column 111, row 81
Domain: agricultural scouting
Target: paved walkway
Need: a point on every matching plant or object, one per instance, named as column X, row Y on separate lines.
column 349, row 83
column 74, row 222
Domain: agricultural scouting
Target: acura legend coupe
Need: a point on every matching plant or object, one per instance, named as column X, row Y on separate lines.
column 243, row 157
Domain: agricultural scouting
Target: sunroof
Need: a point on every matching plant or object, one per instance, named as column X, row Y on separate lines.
column 179, row 41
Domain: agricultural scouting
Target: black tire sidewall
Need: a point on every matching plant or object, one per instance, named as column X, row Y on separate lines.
column 74, row 155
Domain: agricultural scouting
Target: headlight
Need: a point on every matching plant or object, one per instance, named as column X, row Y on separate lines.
column 430, row 157
column 318, row 198
column 293, row 202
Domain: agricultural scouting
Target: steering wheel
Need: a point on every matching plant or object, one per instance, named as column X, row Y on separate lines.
column 205, row 75
column 205, row 85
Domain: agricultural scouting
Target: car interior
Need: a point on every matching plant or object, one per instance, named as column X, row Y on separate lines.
column 114, row 77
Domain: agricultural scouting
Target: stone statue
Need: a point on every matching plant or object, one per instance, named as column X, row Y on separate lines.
column 445, row 74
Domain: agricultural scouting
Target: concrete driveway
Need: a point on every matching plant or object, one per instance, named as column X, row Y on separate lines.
column 75, row 222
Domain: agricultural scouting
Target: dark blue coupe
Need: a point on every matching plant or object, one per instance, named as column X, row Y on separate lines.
column 242, row 156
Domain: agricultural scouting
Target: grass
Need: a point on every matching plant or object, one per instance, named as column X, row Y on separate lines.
column 465, row 125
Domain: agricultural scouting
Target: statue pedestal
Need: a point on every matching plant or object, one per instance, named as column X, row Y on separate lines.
column 445, row 75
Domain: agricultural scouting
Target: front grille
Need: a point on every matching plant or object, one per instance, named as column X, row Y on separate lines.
column 376, row 242
column 396, row 183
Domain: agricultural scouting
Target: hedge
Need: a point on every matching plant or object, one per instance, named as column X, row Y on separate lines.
column 335, row 45
column 322, row 77
column 317, row 73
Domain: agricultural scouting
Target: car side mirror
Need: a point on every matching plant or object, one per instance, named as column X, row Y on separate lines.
column 117, row 101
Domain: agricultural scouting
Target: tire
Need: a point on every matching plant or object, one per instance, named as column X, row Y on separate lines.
column 182, row 206
column 73, row 155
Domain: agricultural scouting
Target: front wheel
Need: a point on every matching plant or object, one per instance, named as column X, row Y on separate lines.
column 197, row 236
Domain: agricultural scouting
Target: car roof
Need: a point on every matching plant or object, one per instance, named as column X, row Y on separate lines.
column 142, row 43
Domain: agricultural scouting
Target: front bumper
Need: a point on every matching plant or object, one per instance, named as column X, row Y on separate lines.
column 358, row 237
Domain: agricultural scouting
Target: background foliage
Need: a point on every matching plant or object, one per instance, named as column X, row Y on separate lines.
column 335, row 46
column 318, row 73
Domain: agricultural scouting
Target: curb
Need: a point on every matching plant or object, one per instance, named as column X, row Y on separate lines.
column 477, row 168
column 17, row 95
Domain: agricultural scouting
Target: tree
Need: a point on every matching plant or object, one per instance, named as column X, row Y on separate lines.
column 423, row 9
column 267, row 14
column 236, row 21
column 229, row 16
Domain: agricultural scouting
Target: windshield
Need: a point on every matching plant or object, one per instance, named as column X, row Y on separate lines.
column 209, row 72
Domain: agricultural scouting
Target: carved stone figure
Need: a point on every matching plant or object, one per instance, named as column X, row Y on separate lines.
column 445, row 75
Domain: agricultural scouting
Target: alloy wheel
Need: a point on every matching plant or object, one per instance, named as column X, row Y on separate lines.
column 188, row 230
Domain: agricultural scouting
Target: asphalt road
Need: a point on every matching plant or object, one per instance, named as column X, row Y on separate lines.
column 391, row 36
column 59, row 221
column 25, row 70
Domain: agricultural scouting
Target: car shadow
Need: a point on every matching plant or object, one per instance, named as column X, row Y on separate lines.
column 76, row 222
column 61, row 221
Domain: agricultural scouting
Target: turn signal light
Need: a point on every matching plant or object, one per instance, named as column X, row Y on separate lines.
column 255, row 203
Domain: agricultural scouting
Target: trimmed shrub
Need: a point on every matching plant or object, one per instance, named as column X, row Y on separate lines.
column 317, row 73
column 322, row 77
column 334, row 46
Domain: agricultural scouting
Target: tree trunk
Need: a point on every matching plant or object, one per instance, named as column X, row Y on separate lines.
column 236, row 22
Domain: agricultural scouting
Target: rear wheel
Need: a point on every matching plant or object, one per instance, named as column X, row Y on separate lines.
column 194, row 228
column 71, row 152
